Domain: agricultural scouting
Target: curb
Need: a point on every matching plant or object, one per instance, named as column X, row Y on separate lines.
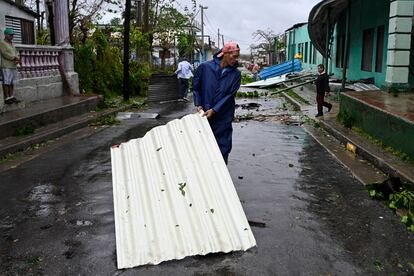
column 49, row 115
column 381, row 163
column 292, row 100
column 54, row 133
column 389, row 166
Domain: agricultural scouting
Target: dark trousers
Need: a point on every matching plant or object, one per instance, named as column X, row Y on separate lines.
column 183, row 88
column 320, row 99
column 223, row 133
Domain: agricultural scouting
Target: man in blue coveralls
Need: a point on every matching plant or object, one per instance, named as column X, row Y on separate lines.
column 215, row 85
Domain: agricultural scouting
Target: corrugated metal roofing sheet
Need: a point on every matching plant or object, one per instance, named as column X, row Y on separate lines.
column 280, row 69
column 162, row 88
column 266, row 82
column 359, row 86
column 174, row 197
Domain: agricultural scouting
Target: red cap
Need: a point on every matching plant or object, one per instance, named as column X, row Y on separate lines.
column 229, row 47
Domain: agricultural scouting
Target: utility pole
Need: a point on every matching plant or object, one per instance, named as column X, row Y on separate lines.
column 138, row 22
column 38, row 12
column 222, row 40
column 146, row 16
column 126, row 49
column 218, row 38
column 145, row 27
column 202, row 31
column 138, row 13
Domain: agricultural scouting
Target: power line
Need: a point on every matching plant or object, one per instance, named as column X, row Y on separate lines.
column 237, row 39
column 181, row 6
column 227, row 36
column 183, row 9
column 211, row 27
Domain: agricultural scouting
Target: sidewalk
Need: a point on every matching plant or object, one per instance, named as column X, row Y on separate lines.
column 49, row 119
column 380, row 158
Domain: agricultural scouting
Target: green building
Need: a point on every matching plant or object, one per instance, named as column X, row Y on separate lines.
column 374, row 35
column 298, row 41
column 365, row 40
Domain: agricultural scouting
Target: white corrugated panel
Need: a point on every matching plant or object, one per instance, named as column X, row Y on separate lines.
column 266, row 82
column 174, row 197
column 359, row 86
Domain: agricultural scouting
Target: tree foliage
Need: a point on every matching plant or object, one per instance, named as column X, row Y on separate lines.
column 265, row 42
column 98, row 55
column 185, row 45
column 82, row 13
column 170, row 24
column 99, row 65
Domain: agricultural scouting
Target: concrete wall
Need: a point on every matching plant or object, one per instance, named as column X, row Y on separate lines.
column 400, row 46
column 41, row 88
column 11, row 10
column 365, row 14
column 391, row 130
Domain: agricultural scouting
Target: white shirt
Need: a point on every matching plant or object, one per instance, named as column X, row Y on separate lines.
column 184, row 70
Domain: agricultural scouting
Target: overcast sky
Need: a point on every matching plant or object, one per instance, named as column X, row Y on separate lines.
column 238, row 19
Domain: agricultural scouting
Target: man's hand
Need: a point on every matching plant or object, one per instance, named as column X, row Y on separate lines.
column 209, row 113
column 327, row 94
column 199, row 108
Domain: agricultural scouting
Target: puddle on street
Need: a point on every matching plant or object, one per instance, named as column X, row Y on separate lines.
column 44, row 198
column 264, row 109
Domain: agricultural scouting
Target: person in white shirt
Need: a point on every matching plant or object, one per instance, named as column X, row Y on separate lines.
column 184, row 73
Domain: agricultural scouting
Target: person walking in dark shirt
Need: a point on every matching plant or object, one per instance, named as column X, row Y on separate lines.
column 322, row 88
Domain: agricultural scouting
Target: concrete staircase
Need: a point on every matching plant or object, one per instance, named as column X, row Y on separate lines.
column 24, row 125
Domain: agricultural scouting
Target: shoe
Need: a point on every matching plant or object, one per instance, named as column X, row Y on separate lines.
column 318, row 115
column 8, row 101
column 329, row 108
column 14, row 100
column 186, row 100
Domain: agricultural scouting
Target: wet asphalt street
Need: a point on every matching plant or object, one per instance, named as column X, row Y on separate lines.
column 56, row 215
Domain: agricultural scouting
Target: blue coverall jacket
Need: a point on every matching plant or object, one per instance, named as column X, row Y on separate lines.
column 215, row 88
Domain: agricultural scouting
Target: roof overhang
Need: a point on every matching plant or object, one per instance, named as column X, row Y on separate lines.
column 298, row 25
column 23, row 8
column 325, row 13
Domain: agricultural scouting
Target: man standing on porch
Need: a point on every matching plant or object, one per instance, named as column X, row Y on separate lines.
column 9, row 61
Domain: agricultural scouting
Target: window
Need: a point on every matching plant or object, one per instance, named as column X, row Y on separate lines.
column 300, row 48
column 305, row 57
column 314, row 55
column 27, row 32
column 367, row 50
column 340, row 49
column 23, row 30
column 310, row 52
column 380, row 49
